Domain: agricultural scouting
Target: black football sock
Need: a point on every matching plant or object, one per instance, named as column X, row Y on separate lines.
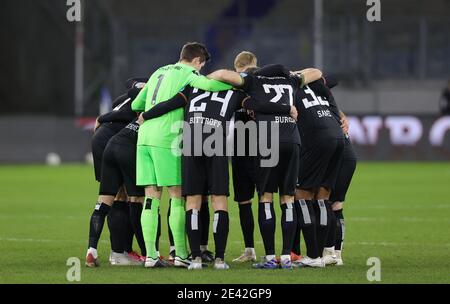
column 128, row 228
column 116, row 225
column 296, row 244
column 158, row 232
column 205, row 219
column 221, row 226
column 247, row 224
column 135, row 219
column 307, row 224
column 171, row 242
column 288, row 226
column 266, row 220
column 323, row 211
column 96, row 224
column 331, row 236
column 340, row 229
column 193, row 230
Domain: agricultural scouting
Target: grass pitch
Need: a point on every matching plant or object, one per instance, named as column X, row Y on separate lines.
column 397, row 212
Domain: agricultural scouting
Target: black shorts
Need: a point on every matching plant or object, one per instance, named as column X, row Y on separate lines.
column 244, row 177
column 320, row 160
column 202, row 175
column 119, row 168
column 99, row 141
column 345, row 173
column 283, row 176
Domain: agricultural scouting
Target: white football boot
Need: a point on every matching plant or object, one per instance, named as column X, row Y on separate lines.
column 179, row 262
column 196, row 264
column 155, row 263
column 119, row 259
column 248, row 255
column 328, row 256
column 338, row 258
column 220, row 264
column 308, row 262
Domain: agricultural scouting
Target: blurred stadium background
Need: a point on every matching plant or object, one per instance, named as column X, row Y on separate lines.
column 56, row 76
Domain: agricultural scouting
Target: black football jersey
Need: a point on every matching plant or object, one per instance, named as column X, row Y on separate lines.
column 281, row 90
column 317, row 110
column 325, row 90
column 128, row 135
column 211, row 109
column 121, row 113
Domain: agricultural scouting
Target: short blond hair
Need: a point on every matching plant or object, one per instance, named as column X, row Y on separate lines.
column 244, row 59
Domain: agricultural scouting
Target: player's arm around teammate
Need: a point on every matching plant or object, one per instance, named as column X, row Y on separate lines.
column 308, row 75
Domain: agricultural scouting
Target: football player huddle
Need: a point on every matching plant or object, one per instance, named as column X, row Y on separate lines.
column 178, row 129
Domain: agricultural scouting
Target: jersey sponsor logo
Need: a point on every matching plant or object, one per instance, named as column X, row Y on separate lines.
column 271, row 77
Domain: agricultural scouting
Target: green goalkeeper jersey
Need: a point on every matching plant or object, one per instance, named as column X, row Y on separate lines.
column 163, row 85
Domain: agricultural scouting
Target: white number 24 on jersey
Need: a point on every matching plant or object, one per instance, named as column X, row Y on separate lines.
column 197, row 106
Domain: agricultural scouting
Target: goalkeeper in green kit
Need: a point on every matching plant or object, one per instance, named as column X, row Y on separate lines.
column 158, row 162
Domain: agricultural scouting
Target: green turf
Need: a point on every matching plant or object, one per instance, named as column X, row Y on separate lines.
column 398, row 212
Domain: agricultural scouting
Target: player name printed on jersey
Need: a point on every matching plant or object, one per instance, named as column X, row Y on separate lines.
column 324, row 113
column 284, row 119
column 198, row 119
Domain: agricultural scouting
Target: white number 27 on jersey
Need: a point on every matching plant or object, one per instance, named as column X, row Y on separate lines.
column 279, row 90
